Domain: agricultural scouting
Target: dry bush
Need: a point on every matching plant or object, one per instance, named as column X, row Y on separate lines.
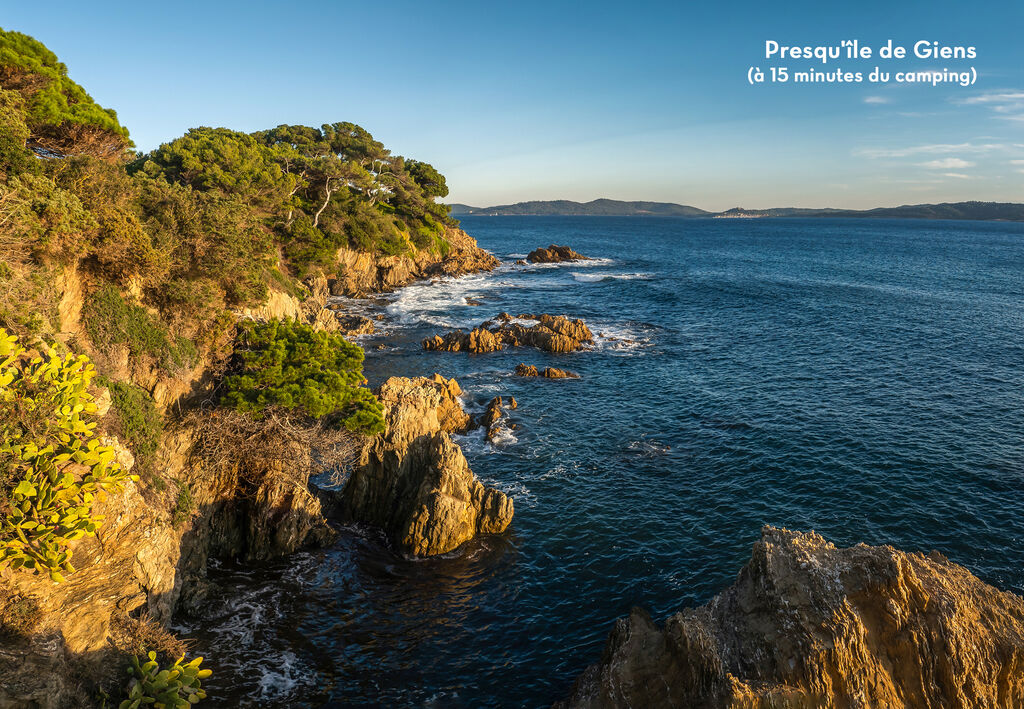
column 278, row 440
column 137, row 636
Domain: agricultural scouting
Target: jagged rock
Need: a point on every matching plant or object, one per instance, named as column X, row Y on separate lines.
column 520, row 262
column 550, row 333
column 555, row 254
column 489, row 419
column 413, row 480
column 808, row 625
column 352, row 325
column 529, row 370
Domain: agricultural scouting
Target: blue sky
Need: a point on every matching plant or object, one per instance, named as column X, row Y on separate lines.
column 549, row 100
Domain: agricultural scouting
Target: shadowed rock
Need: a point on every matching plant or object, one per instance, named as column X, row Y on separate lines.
column 809, row 625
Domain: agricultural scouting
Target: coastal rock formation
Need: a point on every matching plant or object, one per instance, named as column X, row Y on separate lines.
column 529, row 370
column 810, row 625
column 551, row 333
column 361, row 273
column 555, row 254
column 490, row 419
column 413, row 480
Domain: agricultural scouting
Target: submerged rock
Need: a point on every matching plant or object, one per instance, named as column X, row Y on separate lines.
column 414, row 482
column 810, row 625
column 551, row 333
column 529, row 370
column 555, row 254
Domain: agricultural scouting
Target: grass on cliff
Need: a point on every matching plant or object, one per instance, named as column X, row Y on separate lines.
column 111, row 320
column 134, row 418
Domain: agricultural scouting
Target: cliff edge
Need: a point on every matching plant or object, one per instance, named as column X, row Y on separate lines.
column 810, row 625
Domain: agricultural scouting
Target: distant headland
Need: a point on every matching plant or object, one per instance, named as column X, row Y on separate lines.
column 981, row 211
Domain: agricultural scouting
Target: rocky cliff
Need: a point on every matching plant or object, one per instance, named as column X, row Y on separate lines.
column 414, row 482
column 361, row 273
column 809, row 625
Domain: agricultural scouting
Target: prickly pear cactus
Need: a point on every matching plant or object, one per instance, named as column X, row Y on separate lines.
column 54, row 468
column 175, row 688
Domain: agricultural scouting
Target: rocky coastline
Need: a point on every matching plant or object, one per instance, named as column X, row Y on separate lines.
column 149, row 559
column 805, row 624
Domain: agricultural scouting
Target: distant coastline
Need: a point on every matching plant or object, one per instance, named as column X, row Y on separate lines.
column 976, row 211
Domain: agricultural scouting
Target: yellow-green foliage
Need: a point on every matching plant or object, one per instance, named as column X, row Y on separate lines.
column 52, row 467
column 177, row 687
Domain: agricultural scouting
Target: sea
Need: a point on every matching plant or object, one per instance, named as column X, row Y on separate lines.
column 860, row 378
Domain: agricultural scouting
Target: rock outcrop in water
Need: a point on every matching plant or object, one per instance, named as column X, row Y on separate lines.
column 807, row 625
column 414, row 482
column 555, row 254
column 361, row 273
column 529, row 370
column 551, row 333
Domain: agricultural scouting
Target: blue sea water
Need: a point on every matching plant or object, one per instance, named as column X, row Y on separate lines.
column 861, row 378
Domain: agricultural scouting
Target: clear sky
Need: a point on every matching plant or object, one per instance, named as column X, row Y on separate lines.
column 558, row 100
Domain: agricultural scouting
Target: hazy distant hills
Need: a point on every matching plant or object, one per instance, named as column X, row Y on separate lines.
column 597, row 208
column 1005, row 211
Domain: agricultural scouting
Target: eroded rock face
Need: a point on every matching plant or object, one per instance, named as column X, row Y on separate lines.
column 529, row 370
column 413, row 480
column 555, row 254
column 551, row 333
column 361, row 273
column 128, row 566
column 809, row 625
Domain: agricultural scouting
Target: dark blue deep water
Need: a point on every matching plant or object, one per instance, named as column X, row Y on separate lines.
column 860, row 378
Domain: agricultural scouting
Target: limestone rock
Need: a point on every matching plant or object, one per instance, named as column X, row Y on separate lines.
column 555, row 254
column 413, row 480
column 361, row 273
column 809, row 625
column 551, row 333
column 529, row 370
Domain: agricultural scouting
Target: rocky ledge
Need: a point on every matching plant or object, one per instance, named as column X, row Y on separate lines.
column 555, row 254
column 809, row 625
column 361, row 273
column 529, row 370
column 414, row 482
column 551, row 333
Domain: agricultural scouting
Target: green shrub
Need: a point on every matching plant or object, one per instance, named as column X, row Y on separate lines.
column 140, row 423
column 289, row 365
column 184, row 505
column 60, row 113
column 53, row 466
column 111, row 320
column 177, row 687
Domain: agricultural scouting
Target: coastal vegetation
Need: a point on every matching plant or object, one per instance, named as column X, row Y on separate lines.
column 175, row 298
column 54, row 466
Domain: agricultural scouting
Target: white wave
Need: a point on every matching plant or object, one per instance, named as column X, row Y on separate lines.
column 589, row 263
column 620, row 337
column 596, row 277
column 516, row 489
column 281, row 675
column 443, row 302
